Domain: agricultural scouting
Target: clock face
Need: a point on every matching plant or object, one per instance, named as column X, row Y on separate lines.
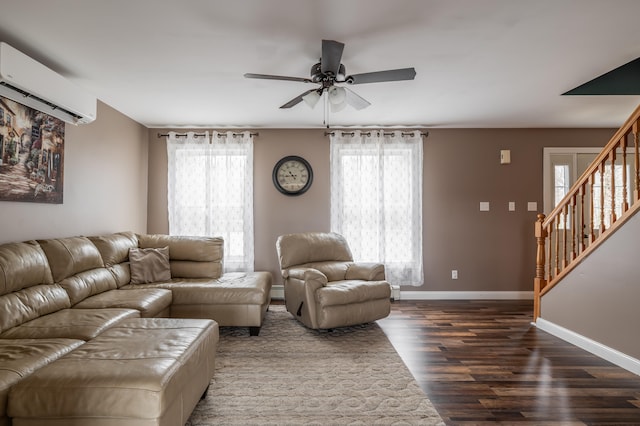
column 292, row 175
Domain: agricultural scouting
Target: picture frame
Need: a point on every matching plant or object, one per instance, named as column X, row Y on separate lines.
column 31, row 154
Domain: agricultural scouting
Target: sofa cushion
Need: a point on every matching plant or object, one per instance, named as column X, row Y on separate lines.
column 69, row 256
column 190, row 257
column 197, row 249
column 30, row 303
column 88, row 283
column 234, row 288
column 22, row 265
column 121, row 273
column 150, row 302
column 149, row 265
column 21, row 357
column 188, row 269
column 82, row 324
column 114, row 248
column 235, row 299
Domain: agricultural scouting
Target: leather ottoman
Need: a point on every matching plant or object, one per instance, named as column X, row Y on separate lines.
column 21, row 357
column 142, row 371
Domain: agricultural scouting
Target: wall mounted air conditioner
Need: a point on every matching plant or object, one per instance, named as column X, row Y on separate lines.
column 30, row 83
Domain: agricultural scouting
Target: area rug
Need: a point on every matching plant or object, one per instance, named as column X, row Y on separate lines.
column 291, row 375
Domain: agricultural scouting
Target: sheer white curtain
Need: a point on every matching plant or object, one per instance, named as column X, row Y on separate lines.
column 376, row 199
column 210, row 191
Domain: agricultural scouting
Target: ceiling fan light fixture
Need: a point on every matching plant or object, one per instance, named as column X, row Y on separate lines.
column 337, row 107
column 312, row 98
column 337, row 95
column 337, row 98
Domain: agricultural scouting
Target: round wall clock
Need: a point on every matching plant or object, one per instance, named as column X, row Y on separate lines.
column 292, row 175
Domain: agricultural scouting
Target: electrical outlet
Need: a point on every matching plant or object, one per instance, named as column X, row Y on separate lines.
column 454, row 274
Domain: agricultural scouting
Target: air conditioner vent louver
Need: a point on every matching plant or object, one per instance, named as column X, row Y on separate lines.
column 54, row 107
column 30, row 83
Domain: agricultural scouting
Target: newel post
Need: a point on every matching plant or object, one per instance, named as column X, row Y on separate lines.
column 539, row 282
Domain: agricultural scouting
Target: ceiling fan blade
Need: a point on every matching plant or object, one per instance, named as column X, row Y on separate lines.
column 331, row 56
column 277, row 77
column 355, row 100
column 295, row 101
column 380, row 76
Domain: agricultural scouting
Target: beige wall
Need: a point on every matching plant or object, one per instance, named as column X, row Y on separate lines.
column 492, row 251
column 105, row 184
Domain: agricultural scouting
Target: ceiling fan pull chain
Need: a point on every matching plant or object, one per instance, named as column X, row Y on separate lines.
column 325, row 112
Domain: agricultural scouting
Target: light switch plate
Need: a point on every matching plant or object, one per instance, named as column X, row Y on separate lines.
column 505, row 156
column 532, row 206
column 484, row 206
column 512, row 206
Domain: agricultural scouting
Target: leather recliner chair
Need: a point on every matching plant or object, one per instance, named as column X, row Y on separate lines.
column 324, row 288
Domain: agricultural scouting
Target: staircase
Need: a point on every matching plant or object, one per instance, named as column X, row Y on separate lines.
column 600, row 202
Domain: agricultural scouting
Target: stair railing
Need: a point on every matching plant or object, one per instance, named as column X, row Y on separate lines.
column 600, row 200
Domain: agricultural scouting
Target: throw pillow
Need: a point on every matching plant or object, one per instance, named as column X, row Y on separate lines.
column 149, row 265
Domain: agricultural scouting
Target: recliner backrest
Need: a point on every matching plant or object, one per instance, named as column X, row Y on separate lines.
column 310, row 247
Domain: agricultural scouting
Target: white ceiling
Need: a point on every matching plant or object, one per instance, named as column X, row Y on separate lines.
column 479, row 63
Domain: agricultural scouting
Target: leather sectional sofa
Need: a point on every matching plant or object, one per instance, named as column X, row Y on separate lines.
column 120, row 329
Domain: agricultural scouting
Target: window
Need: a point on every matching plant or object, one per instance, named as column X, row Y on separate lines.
column 562, row 182
column 376, row 200
column 608, row 193
column 210, row 192
column 561, row 185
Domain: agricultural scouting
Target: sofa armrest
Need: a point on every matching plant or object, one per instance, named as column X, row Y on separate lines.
column 365, row 271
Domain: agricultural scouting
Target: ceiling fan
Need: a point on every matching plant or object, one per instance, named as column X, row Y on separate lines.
column 330, row 71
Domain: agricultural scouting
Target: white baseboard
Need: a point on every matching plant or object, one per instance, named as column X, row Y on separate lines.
column 465, row 295
column 395, row 292
column 277, row 293
column 616, row 357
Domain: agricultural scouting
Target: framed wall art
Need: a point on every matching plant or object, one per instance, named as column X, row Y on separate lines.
column 31, row 154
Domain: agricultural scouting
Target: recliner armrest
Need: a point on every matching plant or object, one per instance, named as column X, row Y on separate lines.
column 308, row 274
column 365, row 271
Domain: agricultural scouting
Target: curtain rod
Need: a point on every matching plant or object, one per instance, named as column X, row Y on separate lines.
column 160, row 135
column 424, row 135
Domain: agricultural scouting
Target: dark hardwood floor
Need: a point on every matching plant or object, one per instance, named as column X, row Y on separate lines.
column 482, row 362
